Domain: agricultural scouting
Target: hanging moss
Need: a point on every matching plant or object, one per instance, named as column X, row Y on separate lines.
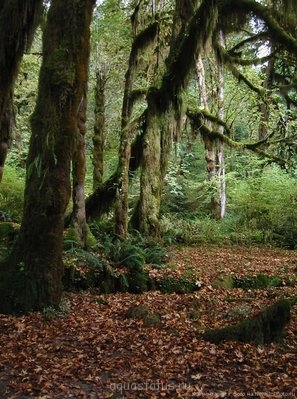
column 266, row 14
column 190, row 41
column 264, row 328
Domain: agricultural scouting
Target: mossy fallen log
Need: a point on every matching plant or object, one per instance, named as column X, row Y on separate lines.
column 265, row 327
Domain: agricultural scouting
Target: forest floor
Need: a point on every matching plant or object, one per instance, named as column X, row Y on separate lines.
column 95, row 351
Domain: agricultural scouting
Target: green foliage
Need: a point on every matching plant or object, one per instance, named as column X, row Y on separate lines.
column 133, row 258
column 12, row 192
column 261, row 208
column 133, row 254
column 267, row 203
column 190, row 231
column 83, row 269
column 134, row 249
column 24, row 101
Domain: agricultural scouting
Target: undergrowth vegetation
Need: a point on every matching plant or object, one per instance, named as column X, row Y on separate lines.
column 261, row 209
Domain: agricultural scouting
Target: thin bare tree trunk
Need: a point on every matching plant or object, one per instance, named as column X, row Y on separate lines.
column 78, row 175
column 209, row 143
column 220, row 167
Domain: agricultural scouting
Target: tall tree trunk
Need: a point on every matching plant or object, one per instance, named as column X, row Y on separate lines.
column 209, row 142
column 144, row 39
column 18, row 20
column 150, row 180
column 214, row 148
column 166, row 100
column 161, row 99
column 264, row 106
column 31, row 277
column 99, row 127
column 78, row 176
column 220, row 164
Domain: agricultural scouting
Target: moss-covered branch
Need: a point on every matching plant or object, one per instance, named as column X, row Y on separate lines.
column 189, row 42
column 197, row 118
column 276, row 31
column 229, row 58
column 251, row 39
column 144, row 38
column 242, row 78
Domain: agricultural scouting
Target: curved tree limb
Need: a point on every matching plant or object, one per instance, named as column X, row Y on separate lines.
column 251, row 39
column 197, row 120
column 263, row 12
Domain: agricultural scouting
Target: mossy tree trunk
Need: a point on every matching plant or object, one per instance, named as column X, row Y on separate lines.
column 219, row 208
column 18, row 20
column 214, row 148
column 150, row 180
column 99, row 127
column 31, row 276
column 164, row 105
column 143, row 42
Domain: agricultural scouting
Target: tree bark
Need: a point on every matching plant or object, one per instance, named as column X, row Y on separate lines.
column 18, row 20
column 142, row 40
column 164, row 105
column 194, row 34
column 99, row 127
column 220, row 206
column 31, row 276
column 150, row 180
column 214, row 148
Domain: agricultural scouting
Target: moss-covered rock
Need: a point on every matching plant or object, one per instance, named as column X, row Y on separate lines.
column 142, row 313
column 136, row 312
column 223, row 282
column 265, row 327
column 261, row 281
column 152, row 320
column 175, row 285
